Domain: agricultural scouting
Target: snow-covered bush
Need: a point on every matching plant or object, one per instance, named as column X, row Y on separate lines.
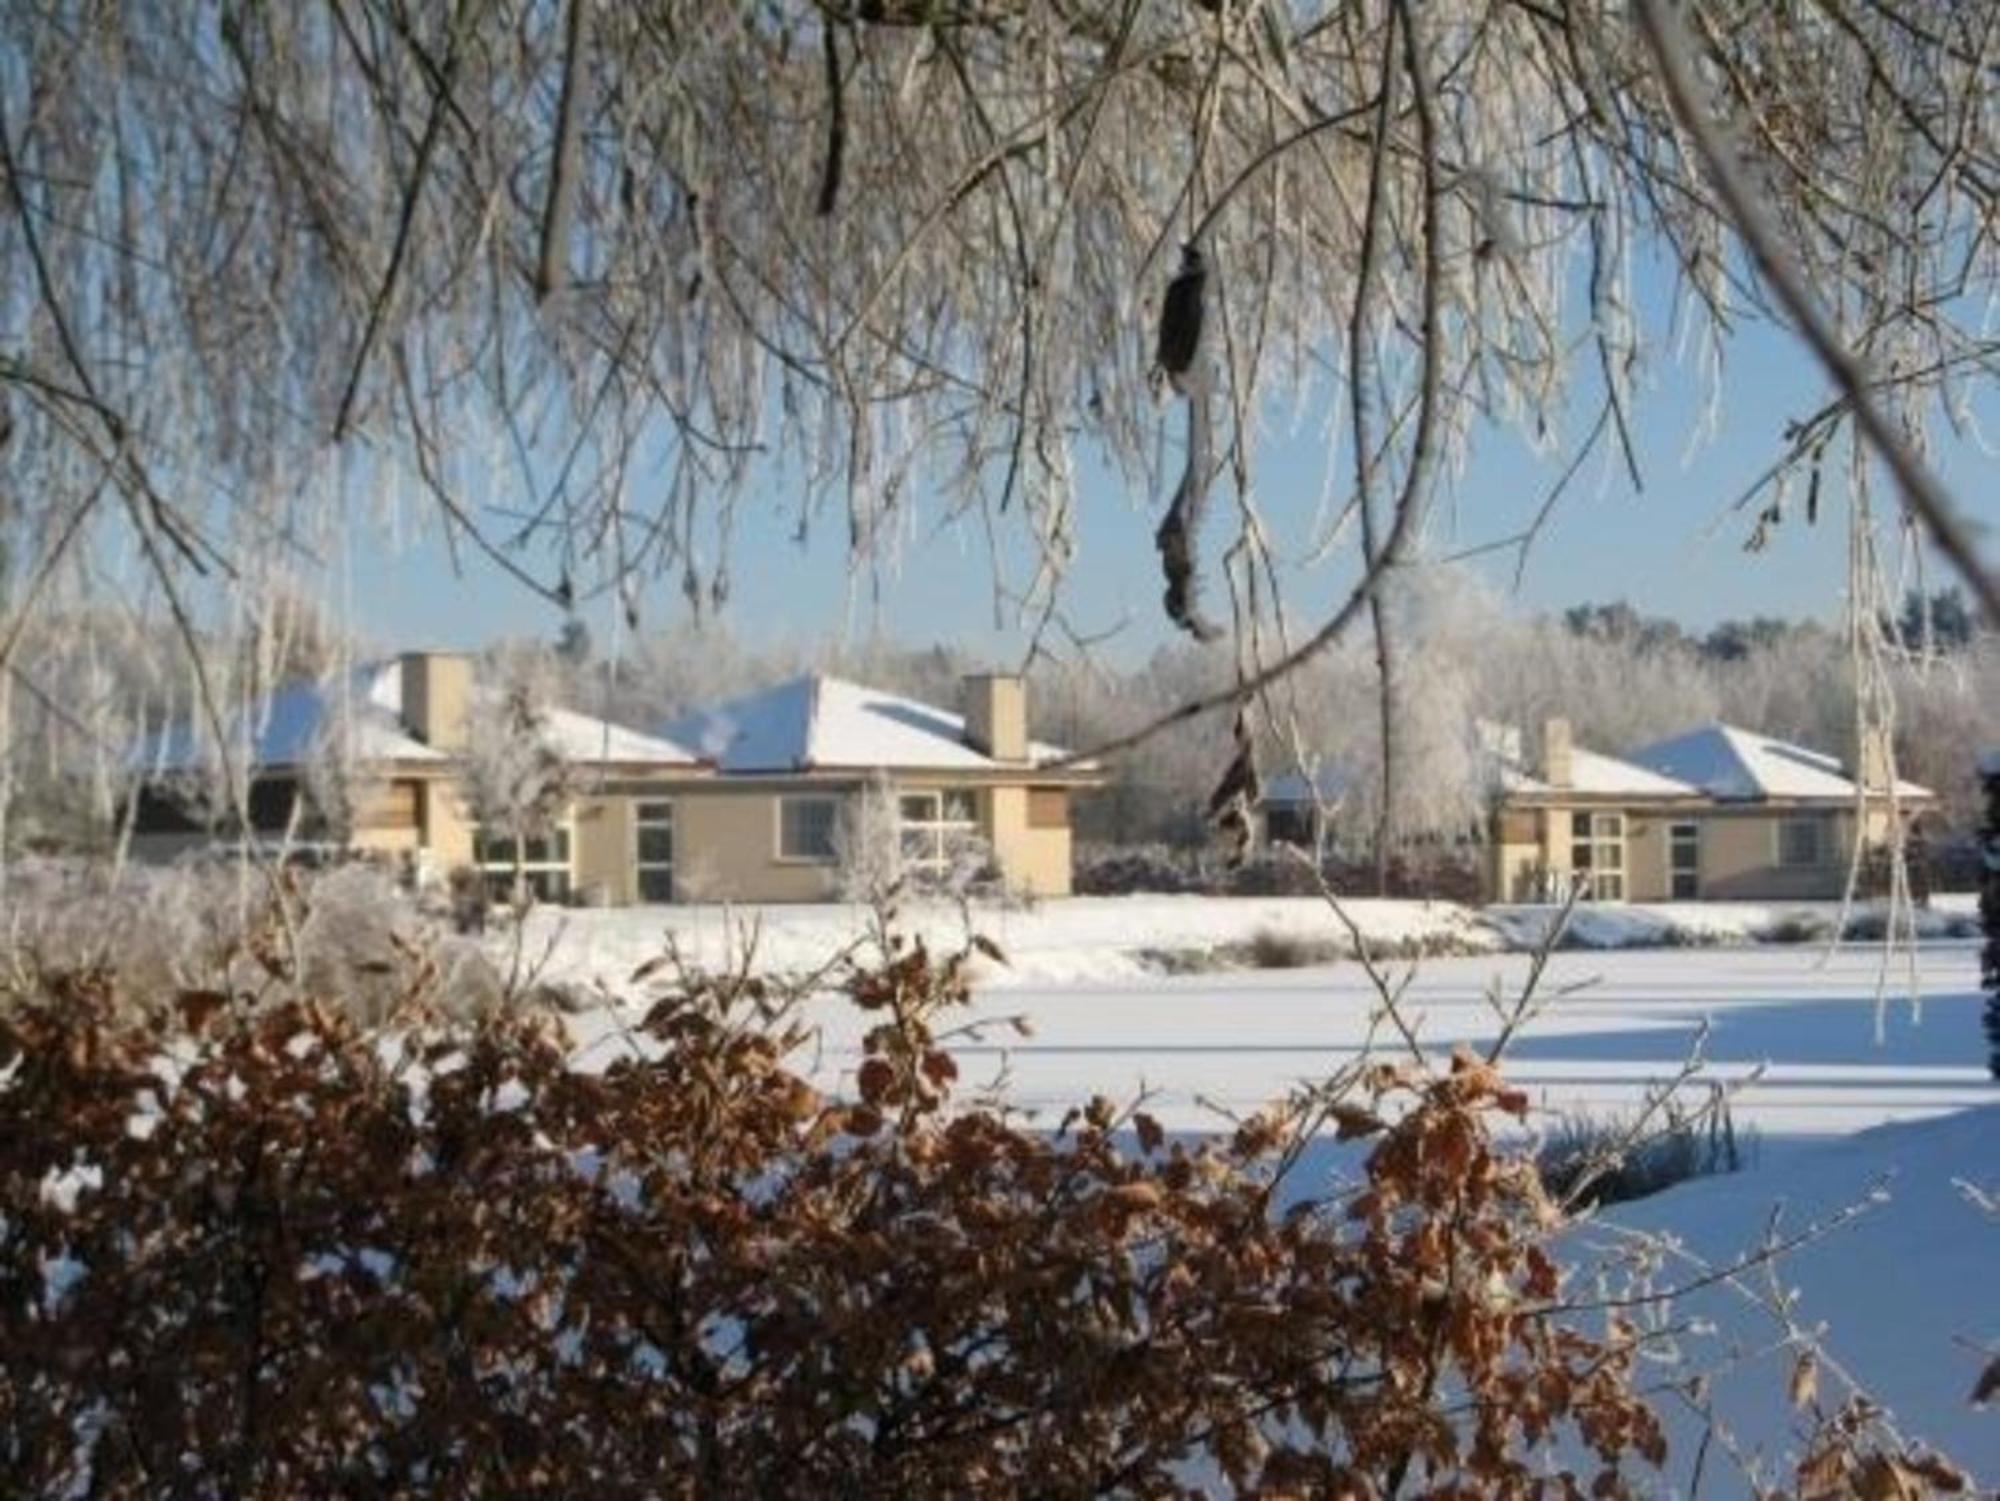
column 346, row 935
column 517, row 784
column 867, row 845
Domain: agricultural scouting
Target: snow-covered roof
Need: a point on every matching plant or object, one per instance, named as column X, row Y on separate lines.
column 1741, row 765
column 361, row 713
column 584, row 739
column 820, row 722
column 291, row 725
column 1591, row 772
column 1594, row 773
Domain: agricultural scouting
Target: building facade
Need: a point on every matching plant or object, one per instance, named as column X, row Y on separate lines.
column 764, row 799
column 1717, row 813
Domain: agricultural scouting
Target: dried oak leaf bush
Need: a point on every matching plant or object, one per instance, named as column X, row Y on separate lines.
column 260, row 1246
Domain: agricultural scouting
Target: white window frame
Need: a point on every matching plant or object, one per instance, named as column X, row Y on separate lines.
column 832, row 854
column 1822, row 844
column 931, row 841
column 641, row 807
column 1683, row 834
column 1602, row 833
column 499, row 874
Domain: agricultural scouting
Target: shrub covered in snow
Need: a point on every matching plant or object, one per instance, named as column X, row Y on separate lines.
column 344, row 936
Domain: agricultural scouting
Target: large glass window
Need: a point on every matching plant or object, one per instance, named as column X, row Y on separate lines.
column 934, row 826
column 1597, row 855
column 1684, row 861
column 539, row 861
column 653, row 857
column 1802, row 842
column 806, row 828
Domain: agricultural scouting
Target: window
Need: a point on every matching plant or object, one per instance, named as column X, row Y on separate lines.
column 1289, row 823
column 1683, row 861
column 1597, row 855
column 1802, row 842
column 653, row 852
column 806, row 827
column 541, row 862
column 934, row 826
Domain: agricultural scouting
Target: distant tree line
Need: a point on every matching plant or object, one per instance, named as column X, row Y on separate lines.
column 88, row 690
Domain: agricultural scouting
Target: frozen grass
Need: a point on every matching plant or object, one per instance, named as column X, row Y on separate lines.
column 1590, row 1161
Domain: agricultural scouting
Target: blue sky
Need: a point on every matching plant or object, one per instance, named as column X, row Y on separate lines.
column 1672, row 550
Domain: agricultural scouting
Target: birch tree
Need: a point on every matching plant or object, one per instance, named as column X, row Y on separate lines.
column 561, row 279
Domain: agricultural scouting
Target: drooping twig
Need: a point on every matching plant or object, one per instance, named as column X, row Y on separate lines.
column 551, row 266
column 1416, row 478
column 378, row 307
column 836, row 124
column 1922, row 491
column 1359, row 336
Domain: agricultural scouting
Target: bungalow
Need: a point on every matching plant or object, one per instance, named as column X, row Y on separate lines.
column 745, row 802
column 401, row 729
column 1717, row 812
column 795, row 763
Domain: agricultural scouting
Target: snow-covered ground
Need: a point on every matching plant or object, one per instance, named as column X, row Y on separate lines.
column 1112, row 939
column 1832, row 1060
column 1905, row 1296
column 1854, row 1077
column 1816, row 1043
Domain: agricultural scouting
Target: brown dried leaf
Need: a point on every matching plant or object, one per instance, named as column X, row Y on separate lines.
column 1804, row 1385
column 1988, row 1385
column 1150, row 1134
column 1351, row 1122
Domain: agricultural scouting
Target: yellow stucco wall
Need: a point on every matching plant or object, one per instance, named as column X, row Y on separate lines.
column 1738, row 853
column 725, row 839
column 726, row 848
column 601, row 851
column 1646, row 857
column 1739, row 857
column 447, row 827
column 1033, row 860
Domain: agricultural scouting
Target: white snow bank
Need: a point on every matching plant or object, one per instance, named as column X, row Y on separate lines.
column 1075, row 940
column 1817, row 1044
column 1907, row 1293
column 1712, row 924
column 1113, row 939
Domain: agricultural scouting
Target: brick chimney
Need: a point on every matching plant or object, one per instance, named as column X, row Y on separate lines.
column 996, row 715
column 437, row 695
column 1558, row 767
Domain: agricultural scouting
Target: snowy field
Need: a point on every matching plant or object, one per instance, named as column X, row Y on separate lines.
column 1864, row 1087
column 1109, row 939
column 1799, row 1034
column 1815, row 1043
